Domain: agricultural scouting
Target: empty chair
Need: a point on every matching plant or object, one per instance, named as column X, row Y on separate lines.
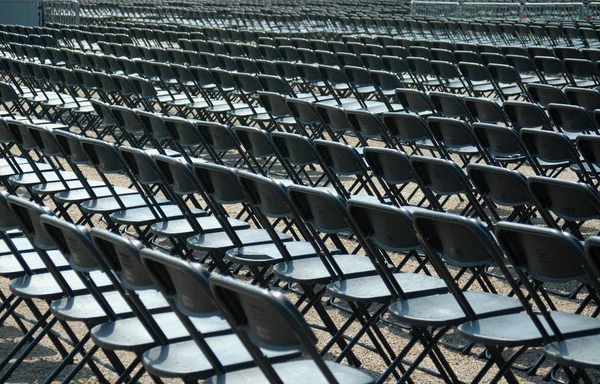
column 564, row 204
column 586, row 98
column 440, row 179
column 450, row 105
column 505, row 188
column 552, row 153
column 526, row 115
column 544, row 94
column 285, row 324
column 572, row 120
column 486, row 110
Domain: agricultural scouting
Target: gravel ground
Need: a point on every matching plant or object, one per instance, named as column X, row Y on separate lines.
column 41, row 362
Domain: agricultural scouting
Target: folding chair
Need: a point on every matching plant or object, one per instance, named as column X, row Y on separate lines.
column 564, row 256
column 544, row 94
column 572, row 203
column 220, row 187
column 415, row 101
column 505, row 188
column 526, row 115
column 289, row 323
column 450, row 105
column 552, row 153
column 301, row 157
column 575, row 352
column 205, row 355
column 485, row 110
column 456, row 137
column 583, row 73
column 503, row 145
column 441, row 178
column 508, row 81
column 572, row 120
column 586, row 98
column 552, row 70
column 450, row 240
column 410, row 130
column 342, row 160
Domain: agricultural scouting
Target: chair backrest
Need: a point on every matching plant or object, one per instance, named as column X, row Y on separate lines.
column 407, row 127
column 569, row 200
column 453, row 134
column 498, row 140
column 390, row 165
column 586, row 98
column 526, row 115
column 297, row 149
column 450, row 105
column 548, row 255
column 502, row 186
column 485, row 110
column 265, row 319
column 415, row 101
column 572, row 119
column 544, row 94
column 443, row 177
column 550, row 147
column 72, row 241
column 219, row 182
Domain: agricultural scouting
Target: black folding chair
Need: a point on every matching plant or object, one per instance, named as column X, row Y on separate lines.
column 450, row 240
column 185, row 287
column 284, row 329
column 563, row 255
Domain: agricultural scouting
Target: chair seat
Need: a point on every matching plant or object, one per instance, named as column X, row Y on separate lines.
column 28, row 179
column 373, row 287
column 86, row 308
column 18, row 160
column 6, row 170
column 181, row 227
column 465, row 150
column 264, row 254
column 243, row 111
column 107, row 205
column 220, row 241
column 444, row 309
column 145, row 216
column 313, row 270
column 552, row 164
column 130, row 334
column 20, row 243
column 184, row 359
column 519, row 329
column 589, row 168
column 81, row 195
column 44, row 286
column 55, row 187
column 580, row 352
column 11, row 268
column 302, row 371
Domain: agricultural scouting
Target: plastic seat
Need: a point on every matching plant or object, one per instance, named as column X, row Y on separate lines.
column 201, row 357
column 544, row 94
column 289, row 323
column 486, row 111
column 442, row 235
column 503, row 187
column 572, row 120
column 534, row 329
column 526, row 115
